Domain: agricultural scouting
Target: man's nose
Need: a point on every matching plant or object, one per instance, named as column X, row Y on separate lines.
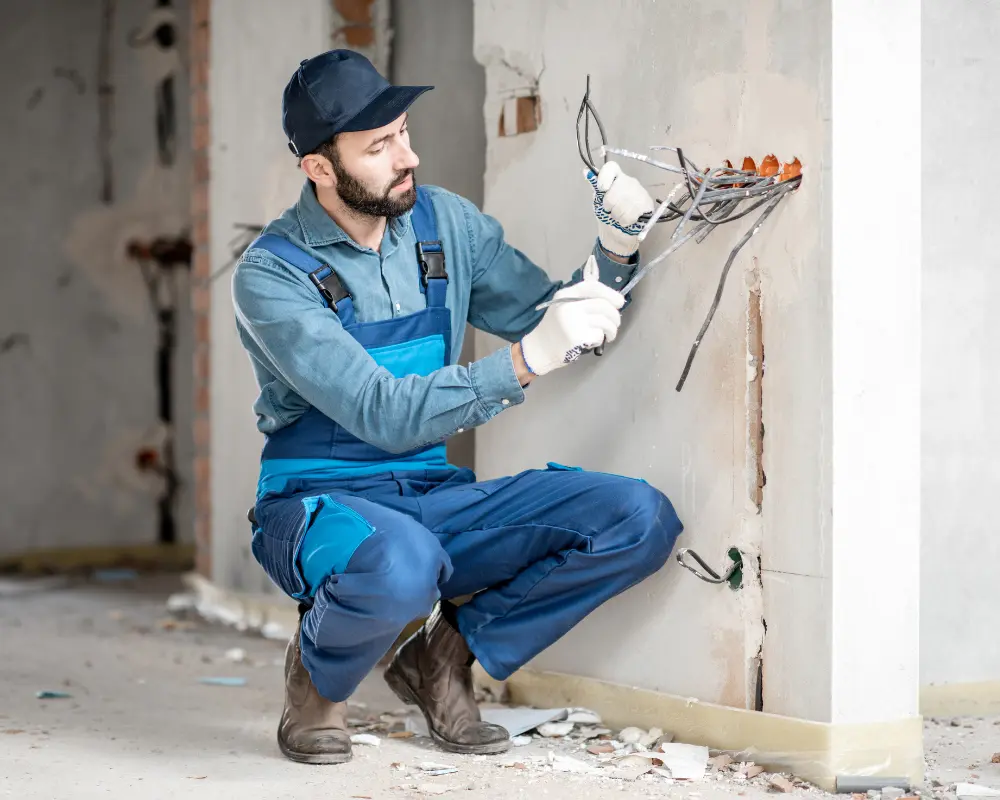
column 407, row 159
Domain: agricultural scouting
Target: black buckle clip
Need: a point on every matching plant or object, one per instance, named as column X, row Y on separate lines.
column 432, row 263
column 330, row 287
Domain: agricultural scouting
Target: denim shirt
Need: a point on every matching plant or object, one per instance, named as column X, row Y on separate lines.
column 302, row 356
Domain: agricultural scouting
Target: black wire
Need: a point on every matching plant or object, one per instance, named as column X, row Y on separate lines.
column 722, row 284
column 583, row 143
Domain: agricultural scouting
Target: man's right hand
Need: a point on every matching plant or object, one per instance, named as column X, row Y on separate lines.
column 587, row 315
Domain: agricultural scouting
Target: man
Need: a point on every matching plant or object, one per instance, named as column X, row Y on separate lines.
column 352, row 307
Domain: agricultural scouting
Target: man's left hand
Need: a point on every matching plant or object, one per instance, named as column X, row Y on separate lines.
column 619, row 201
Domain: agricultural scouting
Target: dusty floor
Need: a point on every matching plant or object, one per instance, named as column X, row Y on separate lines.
column 139, row 723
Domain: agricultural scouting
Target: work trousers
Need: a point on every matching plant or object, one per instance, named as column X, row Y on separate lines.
column 538, row 551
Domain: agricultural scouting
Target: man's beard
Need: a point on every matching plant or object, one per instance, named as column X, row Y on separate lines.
column 360, row 199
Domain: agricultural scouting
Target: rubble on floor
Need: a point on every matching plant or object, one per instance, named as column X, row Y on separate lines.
column 573, row 740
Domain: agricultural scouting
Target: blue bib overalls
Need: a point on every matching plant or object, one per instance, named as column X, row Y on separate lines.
column 370, row 540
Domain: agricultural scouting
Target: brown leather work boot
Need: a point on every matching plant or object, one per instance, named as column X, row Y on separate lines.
column 312, row 730
column 433, row 671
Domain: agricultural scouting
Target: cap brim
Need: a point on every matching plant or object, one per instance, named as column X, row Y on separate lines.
column 387, row 106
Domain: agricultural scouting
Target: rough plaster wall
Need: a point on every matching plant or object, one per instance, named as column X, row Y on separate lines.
column 255, row 47
column 961, row 432
column 723, row 80
column 77, row 334
column 432, row 45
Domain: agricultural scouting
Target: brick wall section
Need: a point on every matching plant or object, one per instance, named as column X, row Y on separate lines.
column 357, row 22
column 201, row 290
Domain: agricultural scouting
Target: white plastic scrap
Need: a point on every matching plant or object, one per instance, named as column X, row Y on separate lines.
column 236, row 654
column 520, row 741
column 365, row 738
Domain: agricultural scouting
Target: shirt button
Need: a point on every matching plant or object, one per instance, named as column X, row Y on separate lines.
column 618, row 279
column 397, row 306
column 505, row 402
column 460, row 430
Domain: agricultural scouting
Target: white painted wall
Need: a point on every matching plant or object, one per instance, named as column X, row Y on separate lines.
column 77, row 334
column 961, row 379
column 255, row 47
column 875, row 282
column 432, row 45
column 722, row 80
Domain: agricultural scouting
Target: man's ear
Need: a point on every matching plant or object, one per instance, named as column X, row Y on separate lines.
column 319, row 169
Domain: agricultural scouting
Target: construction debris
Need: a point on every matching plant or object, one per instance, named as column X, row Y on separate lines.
column 433, row 769
column 975, row 790
column 224, row 681
column 561, row 763
column 14, row 587
column 45, row 694
column 686, row 762
column 554, row 729
column 365, row 739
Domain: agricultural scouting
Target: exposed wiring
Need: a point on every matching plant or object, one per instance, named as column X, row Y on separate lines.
column 713, row 197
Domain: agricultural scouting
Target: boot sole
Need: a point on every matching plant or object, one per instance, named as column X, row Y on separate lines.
column 314, row 758
column 405, row 692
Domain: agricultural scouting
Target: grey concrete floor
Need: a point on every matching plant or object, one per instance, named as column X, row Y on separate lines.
column 139, row 724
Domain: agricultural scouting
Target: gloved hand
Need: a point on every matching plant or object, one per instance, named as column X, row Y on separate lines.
column 619, row 200
column 582, row 317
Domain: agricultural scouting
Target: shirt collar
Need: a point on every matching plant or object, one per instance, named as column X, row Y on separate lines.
column 319, row 228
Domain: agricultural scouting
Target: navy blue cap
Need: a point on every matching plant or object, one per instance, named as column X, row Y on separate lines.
column 335, row 92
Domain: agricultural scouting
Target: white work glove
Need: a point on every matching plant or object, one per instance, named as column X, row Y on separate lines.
column 582, row 316
column 619, row 201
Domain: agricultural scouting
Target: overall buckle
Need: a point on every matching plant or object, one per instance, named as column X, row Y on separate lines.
column 329, row 286
column 432, row 263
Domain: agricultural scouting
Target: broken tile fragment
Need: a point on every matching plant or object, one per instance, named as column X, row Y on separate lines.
column 601, row 747
column 781, row 783
column 686, row 762
column 650, row 738
column 583, row 716
column 631, row 735
column 555, row 729
column 721, row 761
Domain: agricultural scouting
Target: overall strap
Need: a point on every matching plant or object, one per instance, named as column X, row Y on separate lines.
column 430, row 250
column 323, row 277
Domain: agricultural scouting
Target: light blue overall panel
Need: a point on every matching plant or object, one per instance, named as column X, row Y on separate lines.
column 276, row 472
column 416, row 357
column 334, row 534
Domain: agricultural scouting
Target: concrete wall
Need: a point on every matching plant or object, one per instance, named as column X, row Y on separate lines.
column 432, row 45
column 722, row 80
column 255, row 47
column 961, row 437
column 78, row 392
